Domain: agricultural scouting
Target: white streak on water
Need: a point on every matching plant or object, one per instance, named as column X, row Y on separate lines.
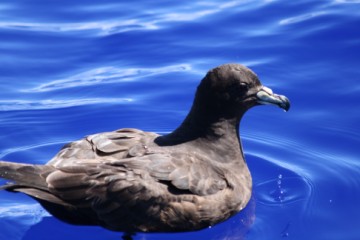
column 301, row 18
column 347, row 1
column 107, row 74
column 156, row 20
column 8, row 151
column 20, row 210
column 11, row 105
column 16, row 219
column 101, row 28
column 182, row 17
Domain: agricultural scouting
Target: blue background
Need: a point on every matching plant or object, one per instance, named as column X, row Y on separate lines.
column 74, row 68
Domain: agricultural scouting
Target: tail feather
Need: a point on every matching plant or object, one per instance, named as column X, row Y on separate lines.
column 25, row 175
column 29, row 179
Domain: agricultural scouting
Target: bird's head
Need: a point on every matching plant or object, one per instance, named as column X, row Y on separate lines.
column 234, row 87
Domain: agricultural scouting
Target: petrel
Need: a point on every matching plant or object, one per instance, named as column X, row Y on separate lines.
column 130, row 180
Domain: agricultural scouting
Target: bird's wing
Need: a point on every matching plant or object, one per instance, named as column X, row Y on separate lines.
column 125, row 150
column 135, row 178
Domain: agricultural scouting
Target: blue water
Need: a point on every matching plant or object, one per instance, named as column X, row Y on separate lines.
column 74, row 68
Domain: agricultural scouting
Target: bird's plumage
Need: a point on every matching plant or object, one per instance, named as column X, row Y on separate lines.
column 130, row 180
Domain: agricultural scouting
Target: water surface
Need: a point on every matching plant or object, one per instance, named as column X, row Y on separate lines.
column 70, row 69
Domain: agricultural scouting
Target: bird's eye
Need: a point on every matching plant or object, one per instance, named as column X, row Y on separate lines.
column 244, row 85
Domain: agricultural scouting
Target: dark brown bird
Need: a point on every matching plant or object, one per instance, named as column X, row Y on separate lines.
column 130, row 180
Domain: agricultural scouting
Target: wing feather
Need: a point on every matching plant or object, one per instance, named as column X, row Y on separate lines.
column 185, row 173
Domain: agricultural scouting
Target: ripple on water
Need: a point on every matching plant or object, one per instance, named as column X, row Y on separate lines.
column 284, row 190
column 282, row 196
column 277, row 185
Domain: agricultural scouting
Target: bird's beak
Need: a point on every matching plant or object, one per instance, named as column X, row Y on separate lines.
column 266, row 96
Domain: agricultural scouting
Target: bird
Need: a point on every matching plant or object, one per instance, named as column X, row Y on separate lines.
column 132, row 181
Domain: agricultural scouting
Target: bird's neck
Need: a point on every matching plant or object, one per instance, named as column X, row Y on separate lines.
column 206, row 124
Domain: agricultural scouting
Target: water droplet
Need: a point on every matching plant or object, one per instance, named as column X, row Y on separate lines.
column 285, row 235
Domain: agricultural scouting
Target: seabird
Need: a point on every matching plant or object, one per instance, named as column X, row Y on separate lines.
column 129, row 180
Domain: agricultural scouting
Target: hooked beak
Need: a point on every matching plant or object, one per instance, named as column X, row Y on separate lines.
column 266, row 96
